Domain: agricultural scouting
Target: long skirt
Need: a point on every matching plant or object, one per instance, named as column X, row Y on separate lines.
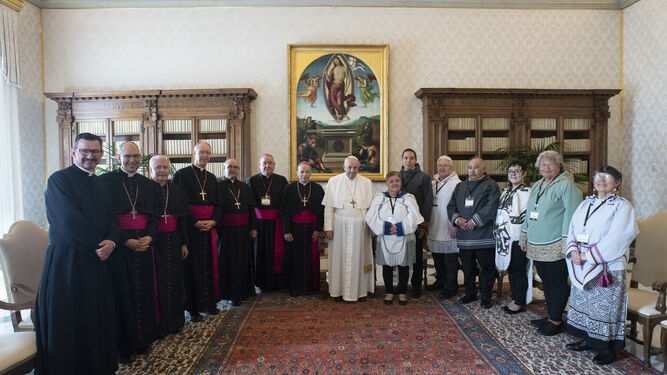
column 598, row 314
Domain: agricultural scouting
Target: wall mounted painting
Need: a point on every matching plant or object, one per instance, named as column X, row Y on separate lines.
column 338, row 107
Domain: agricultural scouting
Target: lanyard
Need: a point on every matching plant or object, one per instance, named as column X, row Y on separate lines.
column 509, row 196
column 540, row 193
column 393, row 203
column 588, row 211
column 473, row 190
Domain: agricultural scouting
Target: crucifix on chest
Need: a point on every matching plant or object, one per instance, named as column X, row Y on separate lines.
column 203, row 195
column 352, row 202
column 164, row 216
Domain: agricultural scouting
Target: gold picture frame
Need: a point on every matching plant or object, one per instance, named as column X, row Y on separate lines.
column 338, row 106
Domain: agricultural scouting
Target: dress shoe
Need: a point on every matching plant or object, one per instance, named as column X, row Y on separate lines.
column 550, row 329
column 467, row 299
column 402, row 300
column 486, row 304
column 213, row 311
column 339, row 299
column 446, row 295
column 605, row 357
column 578, row 346
column 236, row 303
column 361, row 299
column 388, row 301
column 512, row 312
column 144, row 350
column 195, row 317
column 416, row 292
column 126, row 358
column 434, row 286
column 539, row 322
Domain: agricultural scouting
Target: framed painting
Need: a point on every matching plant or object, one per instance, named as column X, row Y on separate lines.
column 338, row 107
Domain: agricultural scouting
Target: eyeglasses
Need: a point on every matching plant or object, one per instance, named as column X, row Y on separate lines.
column 514, row 171
column 85, row 151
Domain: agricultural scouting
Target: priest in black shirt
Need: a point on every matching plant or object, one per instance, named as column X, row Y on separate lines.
column 201, row 266
column 303, row 219
column 135, row 201
column 267, row 190
column 75, row 319
column 171, row 247
column 234, row 248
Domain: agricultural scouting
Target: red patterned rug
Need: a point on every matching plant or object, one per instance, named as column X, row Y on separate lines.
column 278, row 334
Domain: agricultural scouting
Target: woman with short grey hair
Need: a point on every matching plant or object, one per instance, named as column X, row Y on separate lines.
column 552, row 201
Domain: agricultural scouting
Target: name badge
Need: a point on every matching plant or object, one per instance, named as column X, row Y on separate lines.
column 582, row 237
column 266, row 201
column 469, row 202
column 533, row 215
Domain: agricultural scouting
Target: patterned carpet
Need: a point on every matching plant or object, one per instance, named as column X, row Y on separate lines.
column 277, row 334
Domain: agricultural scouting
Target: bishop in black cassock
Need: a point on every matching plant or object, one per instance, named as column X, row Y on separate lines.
column 269, row 246
column 136, row 205
column 201, row 266
column 234, row 248
column 75, row 320
column 302, row 220
column 171, row 248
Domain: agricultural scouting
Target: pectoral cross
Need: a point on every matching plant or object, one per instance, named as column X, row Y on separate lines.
column 203, row 195
column 134, row 214
column 238, row 205
column 304, row 200
column 165, row 216
column 352, row 202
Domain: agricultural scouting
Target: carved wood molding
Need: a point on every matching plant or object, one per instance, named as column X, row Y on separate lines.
column 17, row 5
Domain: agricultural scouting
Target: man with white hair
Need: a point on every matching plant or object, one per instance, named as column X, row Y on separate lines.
column 347, row 198
column 171, row 247
column 267, row 190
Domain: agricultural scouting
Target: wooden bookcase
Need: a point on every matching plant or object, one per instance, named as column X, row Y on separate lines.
column 463, row 123
column 168, row 122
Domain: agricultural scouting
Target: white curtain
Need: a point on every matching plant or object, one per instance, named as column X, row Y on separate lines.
column 11, row 207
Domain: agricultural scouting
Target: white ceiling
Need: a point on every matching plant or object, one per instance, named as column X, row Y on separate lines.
column 512, row 4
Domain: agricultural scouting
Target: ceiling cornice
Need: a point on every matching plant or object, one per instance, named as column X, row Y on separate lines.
column 492, row 4
column 17, row 5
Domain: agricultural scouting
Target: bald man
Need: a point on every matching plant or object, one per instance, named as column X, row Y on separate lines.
column 136, row 202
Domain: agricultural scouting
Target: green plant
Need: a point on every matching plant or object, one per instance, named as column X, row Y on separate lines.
column 528, row 155
column 110, row 153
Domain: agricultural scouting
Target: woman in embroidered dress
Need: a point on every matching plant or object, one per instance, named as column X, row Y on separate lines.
column 394, row 216
column 601, row 230
column 509, row 255
column 551, row 203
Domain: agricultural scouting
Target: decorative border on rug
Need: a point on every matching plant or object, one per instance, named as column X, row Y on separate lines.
column 497, row 355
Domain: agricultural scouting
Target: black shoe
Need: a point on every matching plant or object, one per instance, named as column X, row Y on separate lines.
column 446, row 295
column 539, row 322
column 416, row 292
column 361, row 299
column 388, row 301
column 605, row 357
column 486, row 304
column 293, row 294
column 339, row 299
column 143, row 350
column 550, row 329
column 195, row 317
column 213, row 311
column 512, row 312
column 402, row 302
column 236, row 303
column 578, row 346
column 435, row 286
column 126, row 358
column 467, row 299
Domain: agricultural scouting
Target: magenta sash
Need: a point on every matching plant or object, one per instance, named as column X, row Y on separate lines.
column 205, row 212
column 235, row 220
column 170, row 225
column 128, row 223
column 307, row 217
column 278, row 238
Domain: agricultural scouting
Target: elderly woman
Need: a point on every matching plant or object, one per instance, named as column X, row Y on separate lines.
column 394, row 216
column 509, row 255
column 442, row 234
column 551, row 203
column 601, row 230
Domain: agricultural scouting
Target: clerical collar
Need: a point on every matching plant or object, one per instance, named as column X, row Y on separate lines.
column 302, row 184
column 87, row 171
column 127, row 173
column 200, row 169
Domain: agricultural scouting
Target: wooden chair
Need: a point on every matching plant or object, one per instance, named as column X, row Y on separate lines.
column 663, row 345
column 646, row 307
column 17, row 349
column 22, row 252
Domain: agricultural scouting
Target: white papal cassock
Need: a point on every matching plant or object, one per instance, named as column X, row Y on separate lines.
column 350, row 253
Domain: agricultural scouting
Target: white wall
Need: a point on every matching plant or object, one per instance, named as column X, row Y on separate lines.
column 123, row 49
column 645, row 106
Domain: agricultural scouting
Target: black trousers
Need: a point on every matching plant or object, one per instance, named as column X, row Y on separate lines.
column 487, row 274
column 517, row 272
column 388, row 277
column 418, row 267
column 447, row 270
column 554, row 283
